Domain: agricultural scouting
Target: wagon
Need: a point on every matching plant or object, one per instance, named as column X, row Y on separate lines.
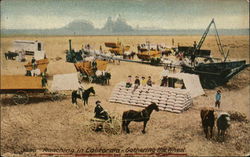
column 41, row 64
column 111, row 126
column 117, row 48
column 22, row 87
column 87, row 72
column 152, row 56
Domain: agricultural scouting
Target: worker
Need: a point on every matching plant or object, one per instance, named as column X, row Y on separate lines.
column 129, row 82
column 164, row 76
column 44, row 80
column 100, row 112
column 137, row 83
column 143, row 81
column 218, row 99
column 149, row 81
column 94, row 66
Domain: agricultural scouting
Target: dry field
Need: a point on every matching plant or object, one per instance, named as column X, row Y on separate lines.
column 59, row 125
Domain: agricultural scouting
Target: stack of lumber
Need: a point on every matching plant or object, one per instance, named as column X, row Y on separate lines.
column 168, row 99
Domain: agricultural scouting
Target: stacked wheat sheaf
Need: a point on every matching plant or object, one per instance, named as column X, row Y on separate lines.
column 168, row 99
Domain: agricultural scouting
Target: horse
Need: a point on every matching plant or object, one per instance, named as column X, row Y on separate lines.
column 138, row 116
column 107, row 77
column 207, row 119
column 10, row 55
column 223, row 122
column 84, row 96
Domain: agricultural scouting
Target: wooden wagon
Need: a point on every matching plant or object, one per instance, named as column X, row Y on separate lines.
column 87, row 71
column 22, row 86
column 117, row 48
column 41, row 64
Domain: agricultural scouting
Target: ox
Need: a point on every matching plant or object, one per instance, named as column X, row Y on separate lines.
column 207, row 120
column 223, row 122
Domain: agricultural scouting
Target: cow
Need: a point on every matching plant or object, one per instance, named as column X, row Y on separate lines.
column 207, row 120
column 223, row 122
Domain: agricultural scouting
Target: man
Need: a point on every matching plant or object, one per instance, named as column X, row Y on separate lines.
column 129, row 82
column 164, row 76
column 143, row 81
column 149, row 82
column 137, row 83
column 218, row 99
column 44, row 80
column 33, row 62
column 100, row 112
column 80, row 89
column 94, row 66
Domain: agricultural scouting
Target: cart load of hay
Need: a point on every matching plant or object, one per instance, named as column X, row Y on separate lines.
column 168, row 99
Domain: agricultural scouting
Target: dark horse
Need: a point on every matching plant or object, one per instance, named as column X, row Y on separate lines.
column 138, row 116
column 207, row 120
column 10, row 55
column 84, row 97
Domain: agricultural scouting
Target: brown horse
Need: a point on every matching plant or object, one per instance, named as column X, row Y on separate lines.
column 207, row 120
column 138, row 116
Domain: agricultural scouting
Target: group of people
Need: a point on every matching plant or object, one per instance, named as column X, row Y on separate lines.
column 138, row 82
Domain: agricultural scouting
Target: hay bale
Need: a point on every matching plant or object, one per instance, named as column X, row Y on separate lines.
column 168, row 109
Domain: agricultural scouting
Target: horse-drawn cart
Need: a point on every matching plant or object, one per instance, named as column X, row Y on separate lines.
column 21, row 87
column 88, row 70
column 112, row 126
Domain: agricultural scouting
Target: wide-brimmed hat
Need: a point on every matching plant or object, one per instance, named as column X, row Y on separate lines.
column 218, row 91
column 97, row 102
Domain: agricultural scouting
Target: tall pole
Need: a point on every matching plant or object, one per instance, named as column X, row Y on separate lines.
column 70, row 45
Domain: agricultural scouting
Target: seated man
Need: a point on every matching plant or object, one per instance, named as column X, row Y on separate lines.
column 129, row 82
column 100, row 112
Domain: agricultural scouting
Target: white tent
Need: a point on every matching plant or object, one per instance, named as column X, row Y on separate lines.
column 191, row 82
column 65, row 82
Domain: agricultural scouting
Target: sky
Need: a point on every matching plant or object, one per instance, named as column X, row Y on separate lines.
column 167, row 14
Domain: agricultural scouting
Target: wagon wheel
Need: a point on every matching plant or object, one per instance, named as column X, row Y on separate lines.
column 90, row 127
column 112, row 128
column 20, row 97
column 56, row 97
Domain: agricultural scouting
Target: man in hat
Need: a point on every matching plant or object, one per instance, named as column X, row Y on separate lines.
column 143, row 81
column 218, row 99
column 100, row 112
column 129, row 82
column 137, row 83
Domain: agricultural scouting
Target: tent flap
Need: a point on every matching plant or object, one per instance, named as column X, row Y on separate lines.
column 65, row 82
column 191, row 82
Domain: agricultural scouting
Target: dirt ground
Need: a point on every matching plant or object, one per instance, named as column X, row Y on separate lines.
column 27, row 130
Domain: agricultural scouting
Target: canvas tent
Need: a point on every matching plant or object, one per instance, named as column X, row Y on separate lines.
column 191, row 82
column 65, row 82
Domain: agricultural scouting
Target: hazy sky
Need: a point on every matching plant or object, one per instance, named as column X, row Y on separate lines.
column 172, row 14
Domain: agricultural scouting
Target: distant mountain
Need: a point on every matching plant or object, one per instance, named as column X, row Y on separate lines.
column 79, row 27
column 118, row 26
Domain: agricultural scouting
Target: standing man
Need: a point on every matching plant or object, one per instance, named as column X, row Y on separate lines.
column 164, row 76
column 218, row 99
